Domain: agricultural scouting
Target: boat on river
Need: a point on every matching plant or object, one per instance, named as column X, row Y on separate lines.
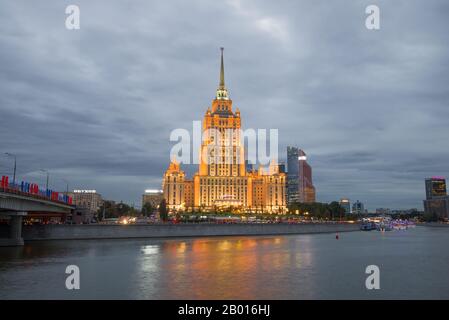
column 367, row 226
column 384, row 227
column 400, row 224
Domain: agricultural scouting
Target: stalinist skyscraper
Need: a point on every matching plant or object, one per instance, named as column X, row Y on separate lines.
column 222, row 181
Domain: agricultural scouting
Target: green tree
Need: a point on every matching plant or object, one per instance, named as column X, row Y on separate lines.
column 337, row 211
column 147, row 209
column 318, row 210
column 123, row 209
column 110, row 210
column 430, row 217
column 163, row 212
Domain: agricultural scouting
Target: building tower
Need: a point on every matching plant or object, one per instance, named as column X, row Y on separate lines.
column 292, row 175
column 345, row 203
column 222, row 181
column 299, row 178
column 173, row 185
column 306, row 187
column 358, row 207
column 437, row 200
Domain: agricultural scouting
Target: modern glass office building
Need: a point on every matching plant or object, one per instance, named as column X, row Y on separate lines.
column 300, row 187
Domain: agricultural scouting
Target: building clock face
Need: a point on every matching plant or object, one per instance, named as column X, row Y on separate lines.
column 222, row 94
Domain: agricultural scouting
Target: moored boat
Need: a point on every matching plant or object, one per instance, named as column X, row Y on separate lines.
column 367, row 226
column 383, row 227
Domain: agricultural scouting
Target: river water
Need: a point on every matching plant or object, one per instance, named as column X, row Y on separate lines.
column 414, row 264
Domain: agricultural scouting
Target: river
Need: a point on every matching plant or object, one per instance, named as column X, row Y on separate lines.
column 413, row 265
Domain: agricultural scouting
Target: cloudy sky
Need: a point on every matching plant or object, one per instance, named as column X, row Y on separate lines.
column 96, row 106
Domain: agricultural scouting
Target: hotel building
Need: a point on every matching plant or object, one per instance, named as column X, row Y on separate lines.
column 222, row 180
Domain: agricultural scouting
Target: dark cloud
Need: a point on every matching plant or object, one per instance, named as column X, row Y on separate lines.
column 96, row 106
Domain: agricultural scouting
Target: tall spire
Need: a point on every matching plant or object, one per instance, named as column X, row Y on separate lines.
column 222, row 82
column 222, row 92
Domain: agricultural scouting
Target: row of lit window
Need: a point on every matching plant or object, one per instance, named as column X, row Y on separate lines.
column 222, row 182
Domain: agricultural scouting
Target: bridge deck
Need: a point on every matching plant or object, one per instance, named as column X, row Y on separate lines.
column 16, row 200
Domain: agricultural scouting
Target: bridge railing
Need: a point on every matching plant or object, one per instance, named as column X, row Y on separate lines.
column 33, row 190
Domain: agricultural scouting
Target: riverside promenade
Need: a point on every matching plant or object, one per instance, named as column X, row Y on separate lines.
column 433, row 224
column 101, row 231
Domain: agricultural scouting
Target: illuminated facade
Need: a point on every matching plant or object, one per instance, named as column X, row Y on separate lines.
column 437, row 200
column 222, row 181
column 153, row 197
column 300, row 185
column 358, row 207
column 87, row 199
column 173, row 186
column 345, row 204
column 435, row 187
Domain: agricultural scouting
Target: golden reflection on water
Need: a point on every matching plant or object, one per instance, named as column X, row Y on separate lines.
column 179, row 248
column 223, row 268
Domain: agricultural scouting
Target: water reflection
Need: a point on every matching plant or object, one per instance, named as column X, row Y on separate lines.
column 230, row 266
column 269, row 267
column 150, row 249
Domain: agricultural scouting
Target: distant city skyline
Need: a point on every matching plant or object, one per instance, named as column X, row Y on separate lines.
column 94, row 107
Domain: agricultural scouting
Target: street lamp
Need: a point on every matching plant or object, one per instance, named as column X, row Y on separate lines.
column 48, row 176
column 15, row 166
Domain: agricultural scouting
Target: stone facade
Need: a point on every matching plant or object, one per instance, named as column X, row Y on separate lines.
column 222, row 182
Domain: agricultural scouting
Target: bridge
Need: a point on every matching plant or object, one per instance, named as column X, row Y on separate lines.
column 15, row 204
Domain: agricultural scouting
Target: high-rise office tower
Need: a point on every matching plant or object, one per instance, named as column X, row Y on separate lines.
column 292, row 175
column 435, row 187
column 437, row 200
column 358, row 207
column 300, row 187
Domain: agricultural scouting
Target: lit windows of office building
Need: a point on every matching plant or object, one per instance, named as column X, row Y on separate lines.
column 86, row 199
column 292, row 175
column 153, row 197
column 87, row 205
column 358, row 207
column 346, row 205
column 300, row 187
column 173, row 186
column 435, row 187
column 437, row 200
